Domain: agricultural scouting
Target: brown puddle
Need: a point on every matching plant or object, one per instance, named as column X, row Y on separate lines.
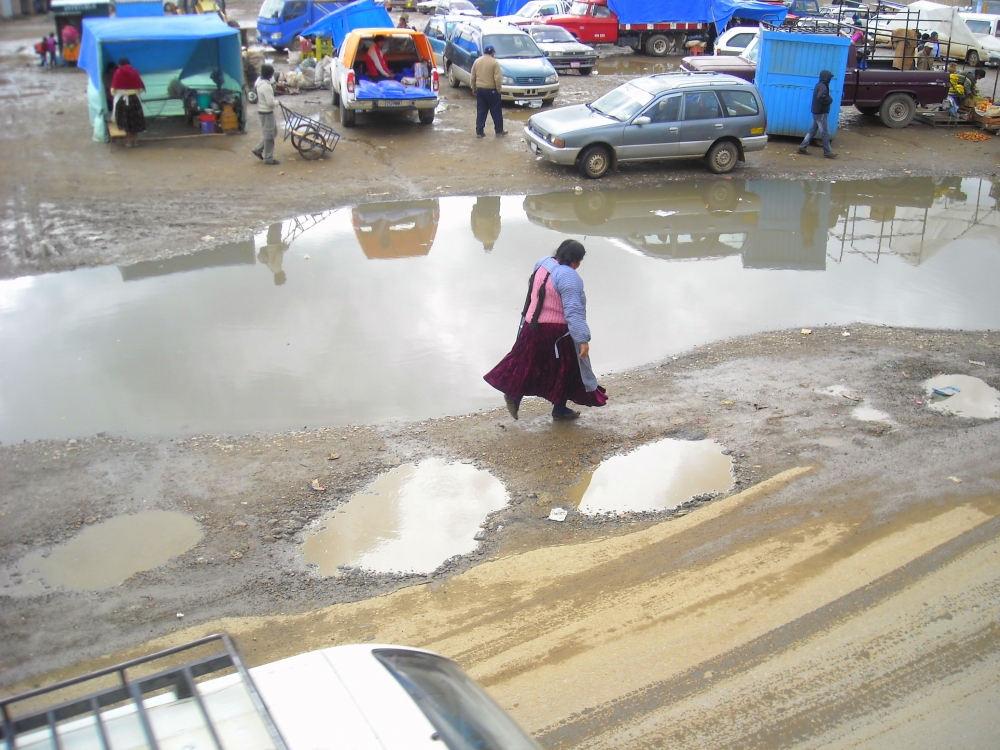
column 107, row 553
column 409, row 520
column 658, row 476
column 974, row 399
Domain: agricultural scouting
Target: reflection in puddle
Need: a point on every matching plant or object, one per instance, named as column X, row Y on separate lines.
column 659, row 476
column 107, row 553
column 344, row 316
column 868, row 414
column 975, row 399
column 409, row 520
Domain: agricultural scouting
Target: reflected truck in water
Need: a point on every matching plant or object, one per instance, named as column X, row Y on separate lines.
column 398, row 229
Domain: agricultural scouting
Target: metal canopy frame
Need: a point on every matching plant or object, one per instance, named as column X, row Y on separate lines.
column 181, row 679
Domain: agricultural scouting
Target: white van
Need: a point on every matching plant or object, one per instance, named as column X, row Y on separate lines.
column 986, row 28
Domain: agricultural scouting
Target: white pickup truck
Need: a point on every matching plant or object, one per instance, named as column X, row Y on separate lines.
column 412, row 87
column 357, row 697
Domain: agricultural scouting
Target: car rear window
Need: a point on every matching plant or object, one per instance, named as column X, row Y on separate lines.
column 465, row 717
column 739, row 103
column 741, row 40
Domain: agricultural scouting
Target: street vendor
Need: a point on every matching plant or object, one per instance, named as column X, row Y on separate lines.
column 126, row 85
column 375, row 62
column 971, row 80
column 70, row 43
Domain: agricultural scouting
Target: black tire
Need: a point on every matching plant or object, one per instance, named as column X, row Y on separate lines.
column 658, row 45
column 897, row 111
column 452, row 79
column 334, row 96
column 426, row 116
column 869, row 111
column 972, row 58
column 348, row 117
column 548, row 102
column 252, row 96
column 594, row 162
column 723, row 157
column 586, row 71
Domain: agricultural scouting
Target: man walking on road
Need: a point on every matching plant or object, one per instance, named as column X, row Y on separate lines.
column 265, row 108
column 821, row 111
column 486, row 80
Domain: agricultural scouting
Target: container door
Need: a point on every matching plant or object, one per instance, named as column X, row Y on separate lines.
column 659, row 138
column 702, row 123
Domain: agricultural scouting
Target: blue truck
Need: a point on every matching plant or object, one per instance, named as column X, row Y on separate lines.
column 280, row 21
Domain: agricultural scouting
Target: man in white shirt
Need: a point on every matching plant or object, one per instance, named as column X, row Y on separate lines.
column 265, row 108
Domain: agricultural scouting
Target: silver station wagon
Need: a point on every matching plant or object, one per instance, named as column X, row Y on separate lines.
column 683, row 115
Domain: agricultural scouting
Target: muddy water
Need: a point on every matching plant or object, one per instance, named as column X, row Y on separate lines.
column 395, row 310
column 409, row 520
column 105, row 554
column 974, row 398
column 658, row 476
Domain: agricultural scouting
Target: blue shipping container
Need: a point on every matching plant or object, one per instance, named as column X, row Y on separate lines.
column 787, row 72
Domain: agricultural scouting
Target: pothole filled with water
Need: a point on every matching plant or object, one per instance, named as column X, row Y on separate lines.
column 659, row 476
column 106, row 554
column 409, row 520
column 971, row 397
column 869, row 414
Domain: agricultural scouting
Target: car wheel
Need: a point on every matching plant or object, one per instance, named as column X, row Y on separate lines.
column 334, row 97
column 348, row 117
column 586, row 71
column 548, row 102
column 722, row 157
column 972, row 58
column 452, row 78
column 657, row 45
column 897, row 111
column 595, row 162
column 252, row 96
column 426, row 116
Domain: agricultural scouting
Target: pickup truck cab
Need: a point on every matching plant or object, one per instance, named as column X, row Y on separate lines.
column 593, row 22
column 415, row 82
column 893, row 95
column 528, row 77
column 280, row 21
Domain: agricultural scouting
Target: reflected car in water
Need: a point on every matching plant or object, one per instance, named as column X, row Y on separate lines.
column 562, row 49
column 669, row 116
column 683, row 221
column 396, row 229
column 535, row 11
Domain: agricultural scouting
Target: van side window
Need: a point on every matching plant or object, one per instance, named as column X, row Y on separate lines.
column 739, row 103
column 601, row 11
column 701, row 106
column 466, row 42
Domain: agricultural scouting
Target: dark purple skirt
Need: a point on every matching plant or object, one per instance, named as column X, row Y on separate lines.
column 129, row 115
column 532, row 368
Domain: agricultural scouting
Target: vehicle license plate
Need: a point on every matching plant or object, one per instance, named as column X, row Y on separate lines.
column 575, row 64
column 534, row 147
column 394, row 103
column 534, row 103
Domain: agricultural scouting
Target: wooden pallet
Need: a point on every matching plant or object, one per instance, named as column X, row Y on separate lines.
column 939, row 119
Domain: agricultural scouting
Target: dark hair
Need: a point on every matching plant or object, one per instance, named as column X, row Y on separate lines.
column 266, row 71
column 570, row 251
column 123, row 61
column 980, row 73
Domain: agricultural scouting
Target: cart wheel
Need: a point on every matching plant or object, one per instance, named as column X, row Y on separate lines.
column 308, row 141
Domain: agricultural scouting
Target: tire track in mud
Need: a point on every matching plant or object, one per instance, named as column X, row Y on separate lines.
column 851, row 663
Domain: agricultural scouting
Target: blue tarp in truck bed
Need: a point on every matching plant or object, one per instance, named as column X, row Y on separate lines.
column 363, row 14
column 391, row 90
column 696, row 11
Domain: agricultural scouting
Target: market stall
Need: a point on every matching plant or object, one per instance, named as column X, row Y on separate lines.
column 191, row 66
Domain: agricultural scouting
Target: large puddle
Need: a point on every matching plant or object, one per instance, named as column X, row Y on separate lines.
column 396, row 310
column 963, row 396
column 105, row 554
column 658, row 476
column 409, row 520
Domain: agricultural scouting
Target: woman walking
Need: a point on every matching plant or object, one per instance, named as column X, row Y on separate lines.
column 551, row 357
column 126, row 85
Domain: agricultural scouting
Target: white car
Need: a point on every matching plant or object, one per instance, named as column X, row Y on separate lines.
column 449, row 8
column 735, row 40
column 535, row 11
column 363, row 697
column 985, row 27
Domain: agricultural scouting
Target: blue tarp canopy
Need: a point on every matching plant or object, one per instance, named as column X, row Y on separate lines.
column 190, row 48
column 138, row 8
column 510, row 7
column 363, row 14
column 695, row 11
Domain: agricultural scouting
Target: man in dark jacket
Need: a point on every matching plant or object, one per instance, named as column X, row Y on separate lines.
column 820, row 111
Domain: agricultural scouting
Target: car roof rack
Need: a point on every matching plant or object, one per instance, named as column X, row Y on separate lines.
column 97, row 714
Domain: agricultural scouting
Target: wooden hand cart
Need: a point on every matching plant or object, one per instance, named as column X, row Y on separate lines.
column 310, row 137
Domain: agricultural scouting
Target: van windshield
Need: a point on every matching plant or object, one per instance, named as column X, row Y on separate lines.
column 512, row 45
column 271, row 9
column 465, row 717
column 579, row 9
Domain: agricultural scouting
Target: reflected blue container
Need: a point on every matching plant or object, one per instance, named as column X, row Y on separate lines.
column 787, row 72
